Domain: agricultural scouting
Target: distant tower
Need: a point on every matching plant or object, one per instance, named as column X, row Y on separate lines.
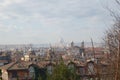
column 50, row 54
column 82, row 44
column 61, row 43
column 30, row 56
column 82, row 49
column 31, row 52
column 72, row 44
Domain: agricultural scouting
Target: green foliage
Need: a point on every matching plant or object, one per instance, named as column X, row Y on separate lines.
column 62, row 72
column 39, row 78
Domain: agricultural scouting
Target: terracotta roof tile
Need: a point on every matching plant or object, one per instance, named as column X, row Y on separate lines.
column 7, row 66
column 21, row 65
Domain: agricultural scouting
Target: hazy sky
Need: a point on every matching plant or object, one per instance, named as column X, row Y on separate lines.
column 46, row 21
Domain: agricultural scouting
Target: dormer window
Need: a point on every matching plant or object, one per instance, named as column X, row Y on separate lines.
column 82, row 71
column 91, row 70
column 50, row 69
column 31, row 72
column 14, row 74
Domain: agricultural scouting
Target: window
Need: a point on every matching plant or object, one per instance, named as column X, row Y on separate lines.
column 91, row 68
column 31, row 72
column 49, row 69
column 14, row 74
column 82, row 70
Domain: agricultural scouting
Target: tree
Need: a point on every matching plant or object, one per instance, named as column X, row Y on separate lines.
column 113, row 44
column 62, row 72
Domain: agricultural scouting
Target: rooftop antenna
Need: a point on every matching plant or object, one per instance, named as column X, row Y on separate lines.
column 62, row 43
column 82, row 44
column 93, row 49
column 50, row 45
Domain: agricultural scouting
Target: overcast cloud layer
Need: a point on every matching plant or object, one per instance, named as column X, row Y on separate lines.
column 46, row 21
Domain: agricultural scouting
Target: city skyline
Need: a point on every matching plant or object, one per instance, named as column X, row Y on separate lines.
column 47, row 21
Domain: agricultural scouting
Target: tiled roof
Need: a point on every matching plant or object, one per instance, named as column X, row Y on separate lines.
column 16, row 66
column 42, row 64
column 7, row 66
column 22, row 65
column 3, row 61
column 77, row 63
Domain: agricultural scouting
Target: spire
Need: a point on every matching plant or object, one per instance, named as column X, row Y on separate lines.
column 72, row 44
column 62, row 41
column 82, row 44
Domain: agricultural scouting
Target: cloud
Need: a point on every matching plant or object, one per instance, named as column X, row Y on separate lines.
column 6, row 3
column 46, row 20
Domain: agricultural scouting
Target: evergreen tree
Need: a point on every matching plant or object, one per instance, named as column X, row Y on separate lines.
column 62, row 72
